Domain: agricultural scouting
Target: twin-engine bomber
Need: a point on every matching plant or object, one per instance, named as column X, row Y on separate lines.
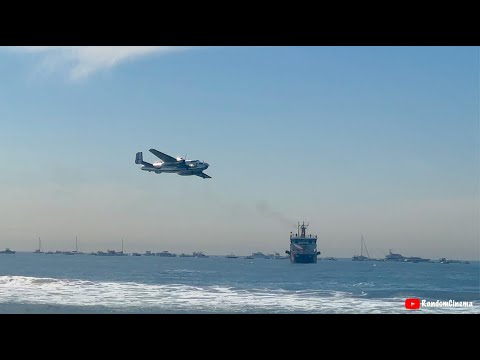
column 170, row 164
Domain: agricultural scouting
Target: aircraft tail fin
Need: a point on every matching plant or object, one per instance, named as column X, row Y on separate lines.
column 139, row 159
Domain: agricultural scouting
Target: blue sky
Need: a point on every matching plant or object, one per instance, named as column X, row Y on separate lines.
column 379, row 141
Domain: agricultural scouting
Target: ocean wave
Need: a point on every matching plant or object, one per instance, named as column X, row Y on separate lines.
column 137, row 297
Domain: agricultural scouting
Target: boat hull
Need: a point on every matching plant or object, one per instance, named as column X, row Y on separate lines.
column 303, row 258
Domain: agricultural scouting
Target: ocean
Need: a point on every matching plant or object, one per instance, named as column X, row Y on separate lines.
column 48, row 283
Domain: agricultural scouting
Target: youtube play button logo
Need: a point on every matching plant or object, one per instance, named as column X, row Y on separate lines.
column 412, row 303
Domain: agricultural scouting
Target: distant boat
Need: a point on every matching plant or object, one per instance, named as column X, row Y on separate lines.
column 277, row 256
column 361, row 257
column 416, row 259
column 39, row 250
column 165, row 254
column 110, row 253
column 330, row 258
column 249, row 257
column 76, row 252
column 259, row 255
column 394, row 257
column 231, row 256
column 445, row 261
column 121, row 253
column 185, row 255
column 149, row 253
column 136, row 254
column 199, row 254
column 7, row 251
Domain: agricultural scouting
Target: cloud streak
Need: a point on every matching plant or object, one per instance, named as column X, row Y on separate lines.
column 83, row 61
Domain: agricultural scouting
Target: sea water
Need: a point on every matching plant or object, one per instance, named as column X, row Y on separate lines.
column 50, row 283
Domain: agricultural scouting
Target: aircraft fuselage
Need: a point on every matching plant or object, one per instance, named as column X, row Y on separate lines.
column 188, row 167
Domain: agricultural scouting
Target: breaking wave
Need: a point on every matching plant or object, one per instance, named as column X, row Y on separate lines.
column 134, row 297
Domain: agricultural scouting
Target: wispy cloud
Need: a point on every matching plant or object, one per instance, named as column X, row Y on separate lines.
column 83, row 61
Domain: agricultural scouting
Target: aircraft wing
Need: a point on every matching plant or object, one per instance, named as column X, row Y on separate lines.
column 202, row 175
column 162, row 156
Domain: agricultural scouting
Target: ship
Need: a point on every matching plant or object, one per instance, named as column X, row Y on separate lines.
column 7, row 251
column 415, row 259
column 303, row 248
column 446, row 261
column 199, row 254
column 394, row 257
column 39, row 250
column 165, row 254
column 76, row 252
column 277, row 256
column 259, row 255
column 185, row 255
column 362, row 257
column 108, row 253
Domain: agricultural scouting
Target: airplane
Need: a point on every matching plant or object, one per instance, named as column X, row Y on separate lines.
column 170, row 164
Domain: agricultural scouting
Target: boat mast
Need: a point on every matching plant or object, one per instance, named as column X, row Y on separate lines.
column 365, row 245
column 39, row 244
column 361, row 245
column 304, row 227
column 122, row 245
column 76, row 244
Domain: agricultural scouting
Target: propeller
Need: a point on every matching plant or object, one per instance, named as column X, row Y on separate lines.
column 181, row 160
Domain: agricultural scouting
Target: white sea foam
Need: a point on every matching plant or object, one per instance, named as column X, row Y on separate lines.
column 137, row 297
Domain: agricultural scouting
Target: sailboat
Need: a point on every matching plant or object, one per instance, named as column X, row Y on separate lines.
column 117, row 253
column 361, row 257
column 122, row 253
column 76, row 252
column 39, row 250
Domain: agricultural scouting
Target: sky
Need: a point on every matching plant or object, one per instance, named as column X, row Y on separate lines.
column 375, row 141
